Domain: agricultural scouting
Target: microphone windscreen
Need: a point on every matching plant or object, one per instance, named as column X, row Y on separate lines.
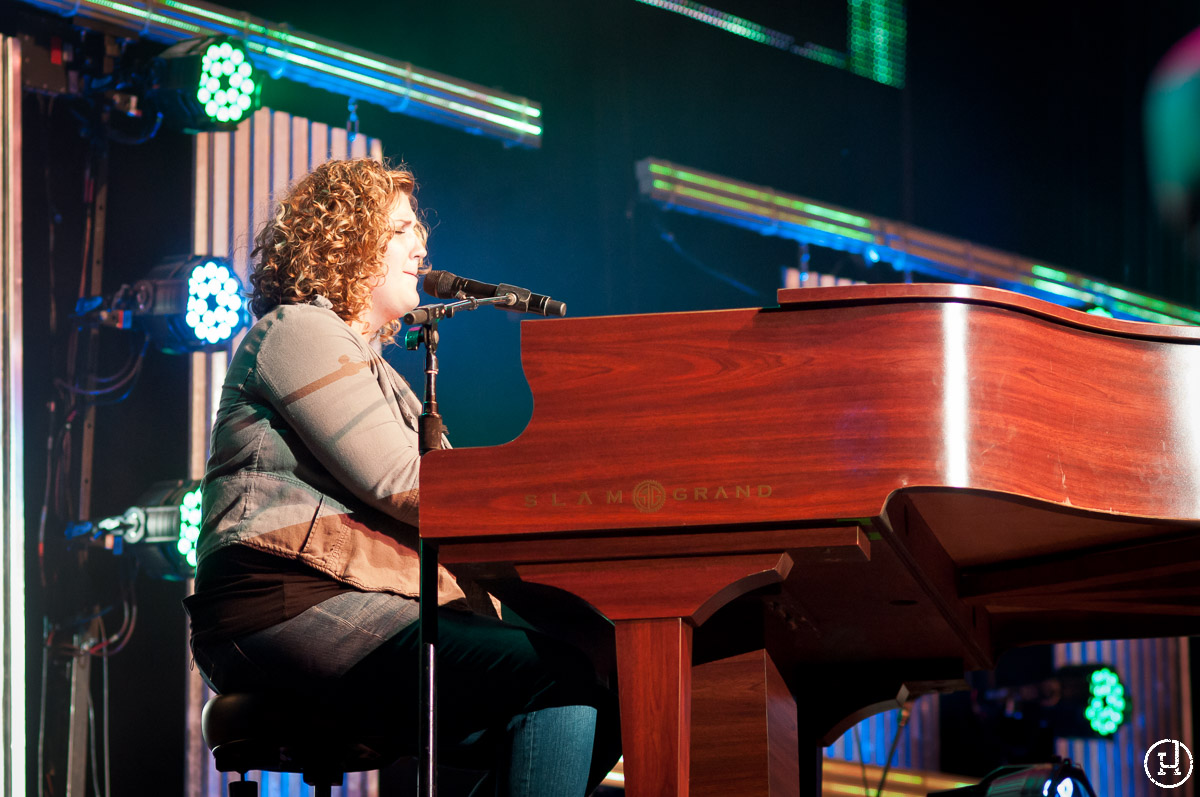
column 440, row 284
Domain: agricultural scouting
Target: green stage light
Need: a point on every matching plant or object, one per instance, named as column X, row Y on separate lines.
column 163, row 528
column 227, row 85
column 189, row 526
column 206, row 84
column 1079, row 701
column 1091, row 701
column 1106, row 706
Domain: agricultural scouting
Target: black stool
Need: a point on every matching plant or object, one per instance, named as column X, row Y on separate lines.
column 280, row 732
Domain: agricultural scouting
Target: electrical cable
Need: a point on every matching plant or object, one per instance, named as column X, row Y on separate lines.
column 107, row 757
column 111, row 646
column 128, row 373
column 104, row 702
column 41, row 746
column 92, row 746
column 131, row 361
column 905, row 714
column 668, row 237
column 862, row 763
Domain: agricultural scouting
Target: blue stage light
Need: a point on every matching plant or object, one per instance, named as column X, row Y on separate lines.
column 192, row 303
column 213, row 302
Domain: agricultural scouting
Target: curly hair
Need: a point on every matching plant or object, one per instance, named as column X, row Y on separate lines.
column 328, row 236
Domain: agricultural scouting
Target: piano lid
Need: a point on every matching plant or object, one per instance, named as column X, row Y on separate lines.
column 818, row 410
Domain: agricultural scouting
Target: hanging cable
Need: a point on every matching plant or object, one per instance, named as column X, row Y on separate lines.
column 905, row 714
column 92, row 745
column 862, row 762
column 668, row 237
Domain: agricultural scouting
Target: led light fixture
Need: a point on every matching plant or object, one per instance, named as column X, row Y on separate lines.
column 205, row 84
column 1079, row 701
column 1057, row 779
column 906, row 248
column 285, row 53
column 1093, row 704
column 163, row 527
column 189, row 304
column 876, row 36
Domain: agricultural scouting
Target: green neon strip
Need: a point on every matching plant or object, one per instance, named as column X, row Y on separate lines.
column 762, row 196
column 877, row 44
column 757, row 210
column 133, row 11
column 817, row 210
column 370, row 63
column 845, row 232
column 1128, row 309
column 717, row 199
column 241, row 24
column 1050, row 273
column 1148, row 305
column 1148, row 301
column 877, row 40
column 1063, row 290
column 1046, row 279
column 1142, row 312
column 399, row 90
column 823, row 55
column 727, row 22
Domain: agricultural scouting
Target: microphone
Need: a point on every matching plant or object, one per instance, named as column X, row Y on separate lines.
column 444, row 285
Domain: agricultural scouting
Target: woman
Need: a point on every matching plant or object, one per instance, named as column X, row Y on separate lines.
column 308, row 570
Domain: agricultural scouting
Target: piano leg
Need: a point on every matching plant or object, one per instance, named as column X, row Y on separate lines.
column 744, row 738
column 654, row 665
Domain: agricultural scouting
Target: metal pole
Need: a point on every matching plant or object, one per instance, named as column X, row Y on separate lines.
column 429, row 427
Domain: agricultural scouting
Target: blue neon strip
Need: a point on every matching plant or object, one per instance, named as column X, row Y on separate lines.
column 906, row 248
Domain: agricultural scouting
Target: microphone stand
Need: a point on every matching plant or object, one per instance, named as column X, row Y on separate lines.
column 429, row 432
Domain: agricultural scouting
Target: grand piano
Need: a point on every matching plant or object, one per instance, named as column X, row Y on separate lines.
column 811, row 512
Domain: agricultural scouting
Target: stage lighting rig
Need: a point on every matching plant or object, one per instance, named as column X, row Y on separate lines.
column 188, row 303
column 1056, row 779
column 163, row 527
column 205, row 84
column 1079, row 701
column 194, row 86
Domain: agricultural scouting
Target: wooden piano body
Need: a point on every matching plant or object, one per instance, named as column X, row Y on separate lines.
column 876, row 486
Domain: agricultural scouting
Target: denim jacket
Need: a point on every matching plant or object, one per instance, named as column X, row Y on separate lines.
column 314, row 454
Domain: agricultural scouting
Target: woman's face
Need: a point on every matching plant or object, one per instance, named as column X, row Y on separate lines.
column 396, row 294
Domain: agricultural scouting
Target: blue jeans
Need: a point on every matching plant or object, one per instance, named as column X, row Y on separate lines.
column 517, row 703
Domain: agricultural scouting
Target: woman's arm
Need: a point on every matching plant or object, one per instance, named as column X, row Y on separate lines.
column 317, row 374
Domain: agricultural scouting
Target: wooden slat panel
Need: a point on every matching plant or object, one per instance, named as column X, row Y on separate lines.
column 301, row 160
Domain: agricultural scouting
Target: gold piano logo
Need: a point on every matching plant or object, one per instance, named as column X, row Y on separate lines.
column 648, row 496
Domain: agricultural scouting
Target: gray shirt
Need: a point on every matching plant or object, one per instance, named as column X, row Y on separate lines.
column 315, row 454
